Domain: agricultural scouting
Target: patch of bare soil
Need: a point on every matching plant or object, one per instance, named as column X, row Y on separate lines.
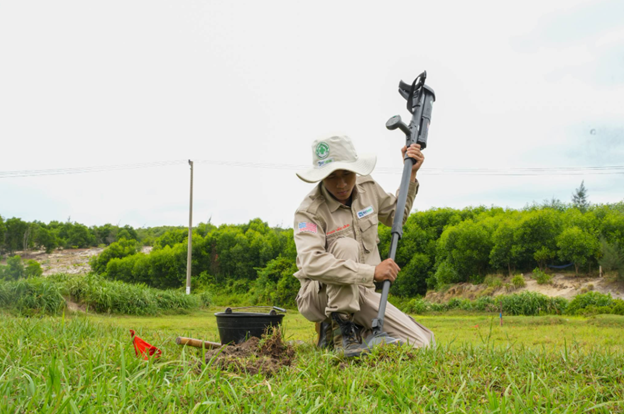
column 266, row 356
column 564, row 286
column 71, row 261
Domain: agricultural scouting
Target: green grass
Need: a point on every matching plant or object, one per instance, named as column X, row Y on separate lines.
column 83, row 364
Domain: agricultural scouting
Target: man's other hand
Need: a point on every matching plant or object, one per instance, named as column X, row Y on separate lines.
column 386, row 270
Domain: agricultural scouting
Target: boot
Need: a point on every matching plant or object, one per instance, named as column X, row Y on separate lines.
column 324, row 334
column 347, row 337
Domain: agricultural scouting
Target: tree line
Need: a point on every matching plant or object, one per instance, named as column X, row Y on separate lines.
column 19, row 235
column 444, row 245
column 439, row 246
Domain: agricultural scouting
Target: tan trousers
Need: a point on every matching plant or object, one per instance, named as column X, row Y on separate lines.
column 316, row 301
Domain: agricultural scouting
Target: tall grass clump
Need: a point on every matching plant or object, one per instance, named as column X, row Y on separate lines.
column 111, row 296
column 530, row 303
column 29, row 297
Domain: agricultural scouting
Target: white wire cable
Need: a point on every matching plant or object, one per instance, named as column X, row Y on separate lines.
column 531, row 171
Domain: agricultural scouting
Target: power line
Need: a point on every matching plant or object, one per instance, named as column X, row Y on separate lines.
column 528, row 171
column 82, row 170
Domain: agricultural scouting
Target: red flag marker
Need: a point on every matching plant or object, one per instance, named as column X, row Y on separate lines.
column 142, row 347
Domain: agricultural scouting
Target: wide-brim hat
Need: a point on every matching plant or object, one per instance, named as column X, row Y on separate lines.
column 336, row 153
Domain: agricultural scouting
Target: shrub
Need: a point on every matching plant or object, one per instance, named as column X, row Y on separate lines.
column 618, row 307
column 590, row 299
column 205, row 299
column 417, row 306
column 33, row 269
column 484, row 303
column 542, row 278
column 117, row 250
column 14, row 268
column 438, row 307
column 454, row 303
column 518, row 281
column 493, row 281
column 446, row 274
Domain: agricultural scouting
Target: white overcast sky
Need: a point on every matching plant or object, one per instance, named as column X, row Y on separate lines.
column 531, row 84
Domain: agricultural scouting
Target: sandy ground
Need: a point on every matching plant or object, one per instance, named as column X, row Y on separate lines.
column 72, row 261
column 562, row 285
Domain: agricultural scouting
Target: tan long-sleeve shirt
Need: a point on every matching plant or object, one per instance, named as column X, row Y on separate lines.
column 320, row 220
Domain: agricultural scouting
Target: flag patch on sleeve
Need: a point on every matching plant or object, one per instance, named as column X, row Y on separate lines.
column 309, row 227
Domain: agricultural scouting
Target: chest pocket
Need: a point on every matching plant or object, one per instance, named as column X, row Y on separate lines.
column 368, row 228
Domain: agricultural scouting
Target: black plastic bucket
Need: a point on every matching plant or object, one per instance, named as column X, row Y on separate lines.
column 237, row 327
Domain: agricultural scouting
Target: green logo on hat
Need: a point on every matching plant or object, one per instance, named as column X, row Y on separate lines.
column 322, row 150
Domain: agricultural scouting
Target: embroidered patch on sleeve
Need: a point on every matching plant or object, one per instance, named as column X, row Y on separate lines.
column 309, row 227
column 363, row 213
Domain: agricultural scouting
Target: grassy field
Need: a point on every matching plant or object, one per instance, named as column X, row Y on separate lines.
column 532, row 364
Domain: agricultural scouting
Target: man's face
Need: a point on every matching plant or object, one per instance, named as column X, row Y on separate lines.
column 340, row 184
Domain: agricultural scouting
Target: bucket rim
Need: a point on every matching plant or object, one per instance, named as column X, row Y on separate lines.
column 249, row 314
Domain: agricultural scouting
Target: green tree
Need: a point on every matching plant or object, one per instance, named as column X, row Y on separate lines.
column 16, row 229
column 466, row 247
column 445, row 274
column 577, row 246
column 579, row 198
column 128, row 233
column 171, row 238
column 79, row 236
column 105, row 234
column 612, row 258
column 505, row 253
column 276, row 284
column 117, row 250
column 14, row 269
column 45, row 238
column 412, row 279
column 536, row 233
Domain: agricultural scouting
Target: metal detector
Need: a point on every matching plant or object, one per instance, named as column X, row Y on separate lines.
column 420, row 100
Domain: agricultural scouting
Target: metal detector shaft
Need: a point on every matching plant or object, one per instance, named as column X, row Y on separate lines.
column 420, row 99
column 397, row 232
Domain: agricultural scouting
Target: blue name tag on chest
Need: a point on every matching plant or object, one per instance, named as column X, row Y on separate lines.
column 363, row 213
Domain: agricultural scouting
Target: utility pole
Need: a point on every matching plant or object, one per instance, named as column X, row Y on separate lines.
column 190, row 237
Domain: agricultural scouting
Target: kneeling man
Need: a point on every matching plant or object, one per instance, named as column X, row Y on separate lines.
column 335, row 233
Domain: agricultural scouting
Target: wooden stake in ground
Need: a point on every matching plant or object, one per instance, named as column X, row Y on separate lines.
column 197, row 343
